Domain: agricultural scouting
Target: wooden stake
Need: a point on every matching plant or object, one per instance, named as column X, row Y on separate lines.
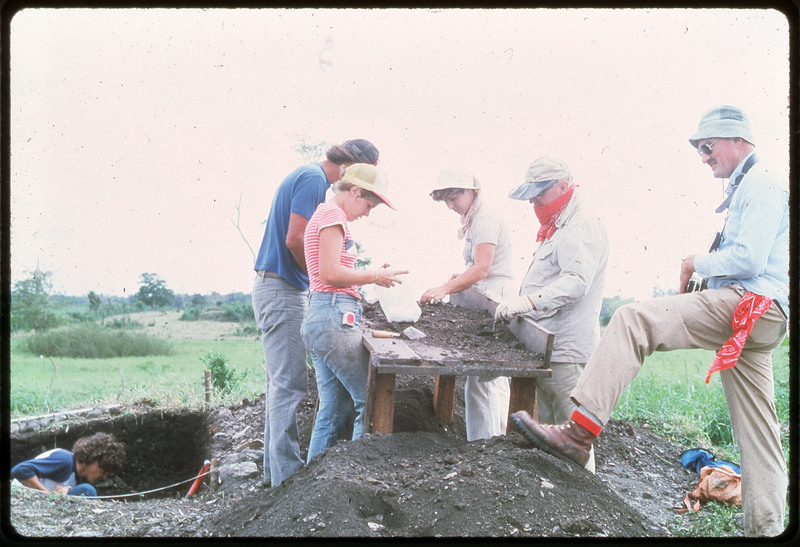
column 208, row 387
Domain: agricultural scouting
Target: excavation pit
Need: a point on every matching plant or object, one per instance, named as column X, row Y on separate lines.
column 163, row 447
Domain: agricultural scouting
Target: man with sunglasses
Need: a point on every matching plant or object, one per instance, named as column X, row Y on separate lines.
column 563, row 287
column 280, row 294
column 742, row 314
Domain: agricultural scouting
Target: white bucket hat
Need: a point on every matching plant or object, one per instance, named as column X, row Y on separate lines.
column 723, row 122
column 453, row 177
column 370, row 178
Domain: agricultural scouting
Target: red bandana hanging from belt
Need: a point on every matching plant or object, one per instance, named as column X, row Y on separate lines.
column 548, row 214
column 750, row 308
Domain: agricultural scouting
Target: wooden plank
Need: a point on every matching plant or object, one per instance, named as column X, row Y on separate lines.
column 535, row 337
column 390, row 350
column 474, row 299
column 523, row 397
column 465, row 369
column 444, row 394
column 383, row 404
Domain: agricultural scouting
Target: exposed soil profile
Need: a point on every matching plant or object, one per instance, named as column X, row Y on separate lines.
column 423, row 480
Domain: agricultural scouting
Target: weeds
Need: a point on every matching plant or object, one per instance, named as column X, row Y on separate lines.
column 223, row 376
column 93, row 342
column 713, row 520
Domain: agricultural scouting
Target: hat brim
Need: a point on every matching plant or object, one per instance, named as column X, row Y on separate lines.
column 385, row 200
column 529, row 190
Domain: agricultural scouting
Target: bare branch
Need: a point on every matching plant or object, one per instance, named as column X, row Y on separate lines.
column 239, row 228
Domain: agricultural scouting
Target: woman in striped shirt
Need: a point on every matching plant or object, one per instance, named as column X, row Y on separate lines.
column 331, row 328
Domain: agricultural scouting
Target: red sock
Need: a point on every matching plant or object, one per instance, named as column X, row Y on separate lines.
column 581, row 419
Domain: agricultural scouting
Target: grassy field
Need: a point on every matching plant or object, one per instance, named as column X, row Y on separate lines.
column 176, row 379
column 670, row 394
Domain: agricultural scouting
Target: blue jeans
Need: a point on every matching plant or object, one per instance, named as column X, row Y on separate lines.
column 279, row 308
column 83, row 489
column 340, row 362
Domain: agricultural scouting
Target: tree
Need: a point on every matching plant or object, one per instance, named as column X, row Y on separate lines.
column 95, row 302
column 154, row 292
column 29, row 302
column 609, row 306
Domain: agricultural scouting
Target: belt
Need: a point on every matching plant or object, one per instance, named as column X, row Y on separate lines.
column 267, row 274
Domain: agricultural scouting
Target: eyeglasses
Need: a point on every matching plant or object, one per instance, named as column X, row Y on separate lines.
column 706, row 148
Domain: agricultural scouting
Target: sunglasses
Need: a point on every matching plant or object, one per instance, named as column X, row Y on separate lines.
column 706, row 148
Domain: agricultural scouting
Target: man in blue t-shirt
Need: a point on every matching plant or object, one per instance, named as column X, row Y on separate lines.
column 93, row 459
column 279, row 299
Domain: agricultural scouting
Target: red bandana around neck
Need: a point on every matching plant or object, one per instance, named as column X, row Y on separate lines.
column 549, row 213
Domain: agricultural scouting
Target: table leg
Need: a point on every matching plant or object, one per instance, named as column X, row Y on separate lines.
column 444, row 394
column 523, row 397
column 381, row 413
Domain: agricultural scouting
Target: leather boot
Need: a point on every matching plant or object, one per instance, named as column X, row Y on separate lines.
column 570, row 442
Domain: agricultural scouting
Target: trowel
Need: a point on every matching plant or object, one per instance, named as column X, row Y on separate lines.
column 414, row 333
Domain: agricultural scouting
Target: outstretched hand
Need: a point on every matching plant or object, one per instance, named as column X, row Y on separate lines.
column 386, row 277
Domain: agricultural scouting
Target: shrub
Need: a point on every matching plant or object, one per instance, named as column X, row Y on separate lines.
column 222, row 375
column 192, row 313
column 124, row 323
column 93, row 342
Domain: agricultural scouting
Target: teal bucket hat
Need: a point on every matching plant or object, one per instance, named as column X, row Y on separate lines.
column 722, row 122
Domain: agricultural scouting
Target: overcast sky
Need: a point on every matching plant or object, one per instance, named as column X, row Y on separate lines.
column 135, row 132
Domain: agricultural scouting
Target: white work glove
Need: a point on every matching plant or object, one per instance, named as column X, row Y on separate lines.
column 510, row 307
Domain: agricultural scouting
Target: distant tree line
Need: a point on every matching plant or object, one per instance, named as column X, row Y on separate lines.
column 35, row 308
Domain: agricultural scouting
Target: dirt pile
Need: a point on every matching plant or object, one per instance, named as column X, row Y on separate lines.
column 423, row 480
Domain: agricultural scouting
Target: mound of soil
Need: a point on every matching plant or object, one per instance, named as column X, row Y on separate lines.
column 423, row 480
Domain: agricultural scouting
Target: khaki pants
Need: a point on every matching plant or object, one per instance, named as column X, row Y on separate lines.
column 703, row 320
column 553, row 405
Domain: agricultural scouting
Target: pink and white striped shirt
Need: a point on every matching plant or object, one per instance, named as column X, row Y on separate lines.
column 327, row 215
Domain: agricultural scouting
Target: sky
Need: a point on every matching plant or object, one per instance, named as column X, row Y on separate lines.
column 139, row 136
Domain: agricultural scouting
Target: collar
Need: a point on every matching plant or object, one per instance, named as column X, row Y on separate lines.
column 568, row 211
column 736, row 172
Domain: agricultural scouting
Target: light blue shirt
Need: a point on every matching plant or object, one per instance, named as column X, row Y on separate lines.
column 754, row 250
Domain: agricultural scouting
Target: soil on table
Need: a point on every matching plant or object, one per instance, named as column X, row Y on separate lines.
column 473, row 333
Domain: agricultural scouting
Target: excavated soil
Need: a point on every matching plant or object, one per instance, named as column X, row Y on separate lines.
column 472, row 333
column 423, row 480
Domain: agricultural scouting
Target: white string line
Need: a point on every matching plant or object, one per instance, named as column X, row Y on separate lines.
column 128, row 495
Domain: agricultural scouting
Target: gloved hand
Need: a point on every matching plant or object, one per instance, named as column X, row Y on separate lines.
column 512, row 306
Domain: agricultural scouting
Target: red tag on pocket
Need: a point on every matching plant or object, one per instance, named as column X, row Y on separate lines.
column 349, row 319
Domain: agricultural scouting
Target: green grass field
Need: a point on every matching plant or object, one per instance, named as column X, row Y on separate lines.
column 176, row 379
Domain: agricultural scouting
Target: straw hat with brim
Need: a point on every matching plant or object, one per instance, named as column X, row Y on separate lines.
column 541, row 175
column 722, row 122
column 452, row 177
column 370, row 178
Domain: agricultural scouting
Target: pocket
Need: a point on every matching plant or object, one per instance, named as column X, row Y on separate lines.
column 317, row 331
column 769, row 330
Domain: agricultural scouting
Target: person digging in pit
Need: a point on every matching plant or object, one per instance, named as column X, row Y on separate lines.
column 488, row 261
column 741, row 313
column 93, row 459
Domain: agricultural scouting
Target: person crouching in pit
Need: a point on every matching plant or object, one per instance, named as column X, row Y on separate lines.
column 93, row 459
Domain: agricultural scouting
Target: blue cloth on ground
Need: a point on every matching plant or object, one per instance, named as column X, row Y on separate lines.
column 698, row 458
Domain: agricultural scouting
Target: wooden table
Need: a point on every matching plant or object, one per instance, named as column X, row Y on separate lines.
column 392, row 356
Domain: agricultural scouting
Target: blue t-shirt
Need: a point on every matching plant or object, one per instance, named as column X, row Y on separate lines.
column 300, row 193
column 53, row 467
